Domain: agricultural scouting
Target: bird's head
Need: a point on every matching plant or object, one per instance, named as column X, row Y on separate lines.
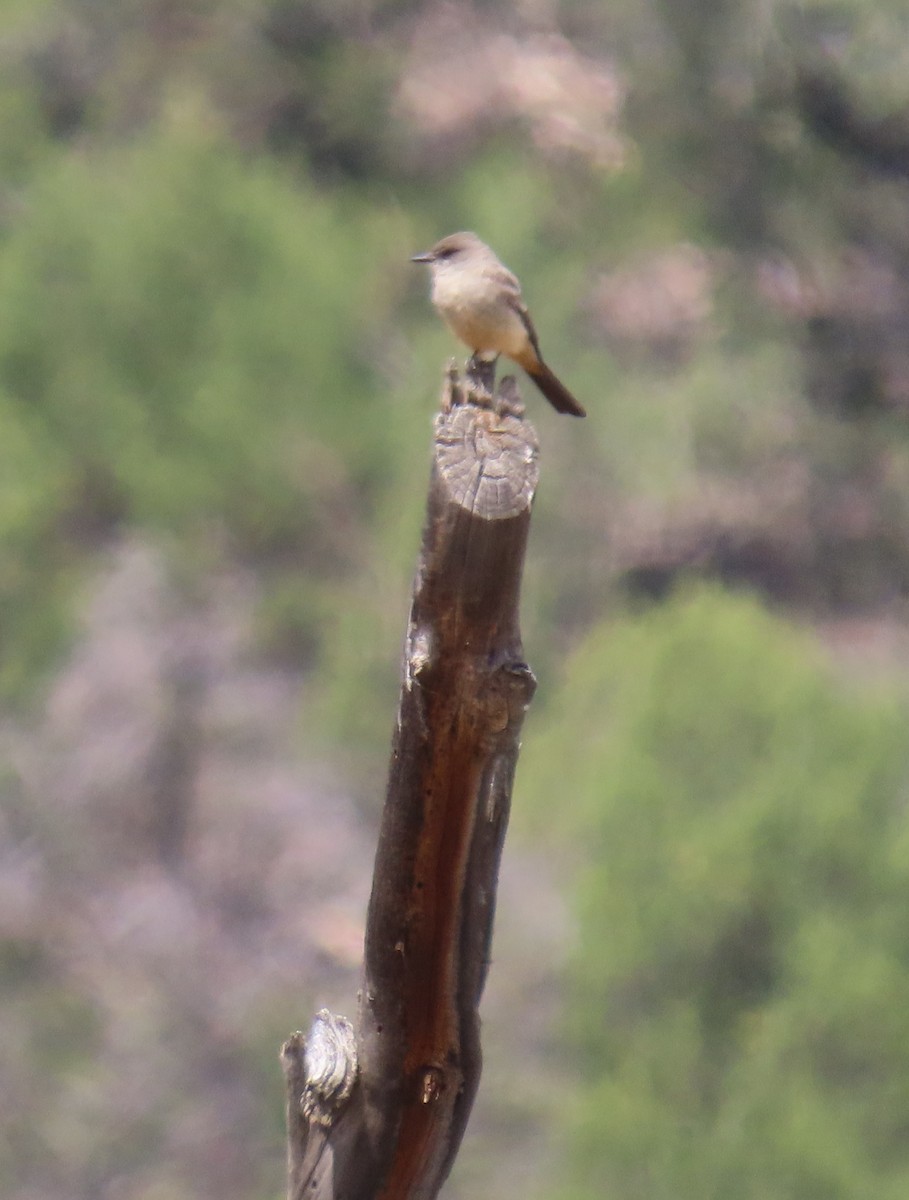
column 455, row 248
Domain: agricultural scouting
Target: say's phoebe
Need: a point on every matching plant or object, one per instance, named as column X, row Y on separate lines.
column 481, row 303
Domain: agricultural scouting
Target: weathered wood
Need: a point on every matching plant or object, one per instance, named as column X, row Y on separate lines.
column 465, row 690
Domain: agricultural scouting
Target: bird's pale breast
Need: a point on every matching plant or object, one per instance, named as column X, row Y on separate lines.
column 475, row 309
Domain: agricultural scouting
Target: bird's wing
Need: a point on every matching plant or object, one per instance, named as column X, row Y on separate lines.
column 512, row 289
column 521, row 309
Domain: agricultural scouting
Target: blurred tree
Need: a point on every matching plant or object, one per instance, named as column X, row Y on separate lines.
column 742, row 972
column 187, row 346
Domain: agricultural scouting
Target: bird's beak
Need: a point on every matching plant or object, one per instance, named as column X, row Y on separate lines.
column 427, row 257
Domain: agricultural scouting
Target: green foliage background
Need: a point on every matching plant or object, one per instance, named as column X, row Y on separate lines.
column 212, row 343
column 741, row 974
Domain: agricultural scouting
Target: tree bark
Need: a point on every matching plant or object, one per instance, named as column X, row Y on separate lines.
column 384, row 1121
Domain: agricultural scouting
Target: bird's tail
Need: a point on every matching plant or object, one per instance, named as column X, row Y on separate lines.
column 554, row 390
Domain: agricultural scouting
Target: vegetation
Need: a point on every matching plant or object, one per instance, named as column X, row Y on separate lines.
column 741, row 967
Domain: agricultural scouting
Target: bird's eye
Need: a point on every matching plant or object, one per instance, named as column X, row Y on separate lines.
column 446, row 253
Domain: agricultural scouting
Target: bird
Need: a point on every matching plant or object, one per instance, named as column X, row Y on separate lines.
column 480, row 301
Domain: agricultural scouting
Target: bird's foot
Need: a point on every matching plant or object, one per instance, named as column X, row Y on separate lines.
column 478, row 388
column 481, row 379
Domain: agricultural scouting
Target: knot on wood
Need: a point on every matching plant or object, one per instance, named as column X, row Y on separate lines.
column 505, row 699
column 517, row 683
column 330, row 1059
column 432, row 1084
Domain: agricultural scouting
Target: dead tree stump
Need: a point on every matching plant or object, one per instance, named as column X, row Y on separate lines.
column 378, row 1113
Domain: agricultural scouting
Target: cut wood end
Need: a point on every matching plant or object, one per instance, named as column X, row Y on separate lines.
column 487, row 460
